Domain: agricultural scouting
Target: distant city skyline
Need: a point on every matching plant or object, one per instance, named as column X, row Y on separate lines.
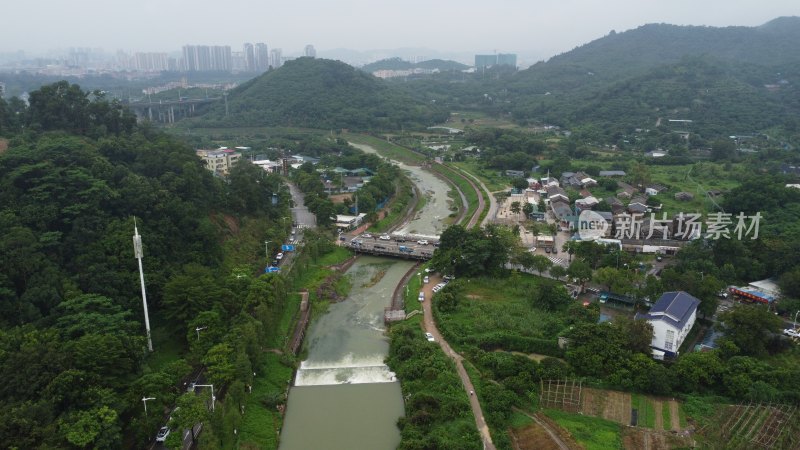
column 534, row 30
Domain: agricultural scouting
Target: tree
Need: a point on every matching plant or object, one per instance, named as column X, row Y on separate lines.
column 550, row 295
column 790, row 283
column 527, row 209
column 516, row 207
column 722, row 149
column 519, row 183
column 750, row 327
column 219, row 362
column 190, row 409
column 580, row 271
column 558, row 271
column 607, row 276
column 541, row 263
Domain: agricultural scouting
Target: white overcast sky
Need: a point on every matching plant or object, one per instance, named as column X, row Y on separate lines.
column 539, row 27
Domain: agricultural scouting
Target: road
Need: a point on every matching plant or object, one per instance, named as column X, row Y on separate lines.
column 374, row 242
column 430, row 326
column 301, row 216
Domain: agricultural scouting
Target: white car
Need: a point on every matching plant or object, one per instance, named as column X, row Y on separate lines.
column 385, row 237
column 791, row 333
column 366, row 235
column 429, row 337
column 428, row 270
column 279, row 256
column 422, row 242
column 421, row 297
column 162, row 434
column 426, row 280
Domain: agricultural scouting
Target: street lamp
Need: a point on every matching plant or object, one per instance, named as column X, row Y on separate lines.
column 212, row 393
column 198, row 329
column 266, row 248
column 144, row 400
column 795, row 319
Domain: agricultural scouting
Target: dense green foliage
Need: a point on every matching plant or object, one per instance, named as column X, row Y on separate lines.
column 72, row 341
column 438, row 414
column 320, row 93
column 477, row 251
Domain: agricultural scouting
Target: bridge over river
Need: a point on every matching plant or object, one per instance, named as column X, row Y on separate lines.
column 405, row 247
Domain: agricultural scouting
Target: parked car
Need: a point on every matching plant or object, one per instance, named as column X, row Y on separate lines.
column 421, row 297
column 426, row 280
column 429, row 337
column 279, row 256
column 366, row 235
column 547, row 249
column 385, row 237
column 422, row 242
column 162, row 434
column 428, row 270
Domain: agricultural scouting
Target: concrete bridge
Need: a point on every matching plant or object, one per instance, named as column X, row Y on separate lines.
column 405, row 247
column 168, row 111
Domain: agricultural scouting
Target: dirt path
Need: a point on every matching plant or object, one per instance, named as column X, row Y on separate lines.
column 659, row 421
column 430, row 326
column 554, row 435
column 673, row 415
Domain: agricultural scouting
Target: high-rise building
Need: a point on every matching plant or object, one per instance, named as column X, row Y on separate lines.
column 198, row 58
column 310, row 51
column 507, row 59
column 262, row 57
column 500, row 59
column 249, row 57
column 150, row 62
column 275, row 58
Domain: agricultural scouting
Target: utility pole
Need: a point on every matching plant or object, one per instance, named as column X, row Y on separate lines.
column 144, row 400
column 137, row 250
column 266, row 248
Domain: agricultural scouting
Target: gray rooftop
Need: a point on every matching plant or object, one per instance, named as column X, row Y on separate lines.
column 674, row 308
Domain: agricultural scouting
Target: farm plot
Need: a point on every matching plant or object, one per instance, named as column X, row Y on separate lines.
column 759, row 425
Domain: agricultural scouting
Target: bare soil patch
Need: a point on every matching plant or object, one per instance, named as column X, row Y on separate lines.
column 659, row 420
column 532, row 437
column 675, row 420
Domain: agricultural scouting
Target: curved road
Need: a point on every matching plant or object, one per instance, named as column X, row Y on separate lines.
column 430, row 326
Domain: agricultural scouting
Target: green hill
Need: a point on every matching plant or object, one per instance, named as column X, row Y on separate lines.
column 727, row 80
column 399, row 64
column 320, row 93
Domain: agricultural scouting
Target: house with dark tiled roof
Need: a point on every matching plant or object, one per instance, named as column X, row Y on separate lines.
column 556, row 193
column 672, row 317
column 637, row 205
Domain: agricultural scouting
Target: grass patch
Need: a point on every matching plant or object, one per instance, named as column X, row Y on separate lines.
column 519, row 420
column 386, row 149
column 682, row 416
column 591, row 432
column 490, row 177
column 488, row 306
column 646, row 410
column 262, row 421
column 699, row 409
column 666, row 415
column 463, row 185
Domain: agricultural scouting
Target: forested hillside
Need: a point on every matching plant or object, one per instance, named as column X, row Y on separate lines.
column 73, row 353
column 399, row 64
column 319, row 93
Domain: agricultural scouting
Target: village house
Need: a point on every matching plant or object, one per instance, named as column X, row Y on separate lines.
column 672, row 317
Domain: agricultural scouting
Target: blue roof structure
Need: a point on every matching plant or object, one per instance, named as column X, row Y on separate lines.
column 674, row 308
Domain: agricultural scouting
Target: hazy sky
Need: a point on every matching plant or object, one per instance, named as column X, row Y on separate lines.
column 537, row 27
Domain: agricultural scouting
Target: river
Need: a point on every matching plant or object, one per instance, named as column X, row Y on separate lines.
column 344, row 396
